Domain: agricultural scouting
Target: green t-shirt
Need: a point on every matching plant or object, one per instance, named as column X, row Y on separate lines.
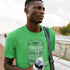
column 26, row 46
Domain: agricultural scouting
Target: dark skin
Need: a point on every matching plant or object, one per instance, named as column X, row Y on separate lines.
column 35, row 14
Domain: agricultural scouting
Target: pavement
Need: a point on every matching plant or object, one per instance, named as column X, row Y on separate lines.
column 61, row 64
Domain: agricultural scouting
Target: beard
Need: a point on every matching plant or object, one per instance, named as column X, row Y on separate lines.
column 35, row 21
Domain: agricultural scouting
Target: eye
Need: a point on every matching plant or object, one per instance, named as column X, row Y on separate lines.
column 43, row 9
column 39, row 8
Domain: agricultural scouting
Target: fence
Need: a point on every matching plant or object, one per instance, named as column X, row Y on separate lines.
column 62, row 49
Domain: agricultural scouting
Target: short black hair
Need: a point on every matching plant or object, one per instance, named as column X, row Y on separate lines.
column 28, row 1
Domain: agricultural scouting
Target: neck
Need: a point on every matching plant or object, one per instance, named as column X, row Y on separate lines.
column 33, row 27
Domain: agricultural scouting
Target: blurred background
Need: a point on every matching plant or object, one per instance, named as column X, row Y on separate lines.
column 57, row 17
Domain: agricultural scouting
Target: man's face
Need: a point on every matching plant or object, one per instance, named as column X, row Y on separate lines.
column 35, row 12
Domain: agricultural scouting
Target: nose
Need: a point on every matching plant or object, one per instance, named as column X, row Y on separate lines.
column 42, row 11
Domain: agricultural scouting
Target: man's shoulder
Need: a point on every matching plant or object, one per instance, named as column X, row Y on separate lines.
column 51, row 33
column 50, row 29
column 15, row 32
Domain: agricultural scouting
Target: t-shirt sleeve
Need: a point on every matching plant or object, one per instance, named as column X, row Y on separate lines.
column 9, row 47
column 52, row 39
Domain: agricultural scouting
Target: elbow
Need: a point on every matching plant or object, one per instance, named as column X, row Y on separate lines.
column 5, row 67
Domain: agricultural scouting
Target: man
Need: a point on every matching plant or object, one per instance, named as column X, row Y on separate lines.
column 5, row 35
column 28, row 43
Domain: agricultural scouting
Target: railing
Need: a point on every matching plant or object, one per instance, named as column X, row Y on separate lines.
column 62, row 49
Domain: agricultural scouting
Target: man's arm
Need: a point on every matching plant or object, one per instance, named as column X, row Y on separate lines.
column 8, row 65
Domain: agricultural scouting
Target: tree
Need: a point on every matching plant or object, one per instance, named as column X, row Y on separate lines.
column 65, row 30
column 68, row 26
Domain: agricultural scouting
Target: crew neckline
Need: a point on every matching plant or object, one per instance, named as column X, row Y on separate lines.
column 34, row 32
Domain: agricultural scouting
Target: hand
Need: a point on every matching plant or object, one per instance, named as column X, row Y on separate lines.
column 29, row 68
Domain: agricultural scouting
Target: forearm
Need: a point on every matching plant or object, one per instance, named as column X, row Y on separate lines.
column 8, row 65
column 11, row 67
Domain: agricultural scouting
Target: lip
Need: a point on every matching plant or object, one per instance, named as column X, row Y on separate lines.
column 41, row 17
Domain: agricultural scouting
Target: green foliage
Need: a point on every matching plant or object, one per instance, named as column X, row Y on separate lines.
column 68, row 26
column 65, row 30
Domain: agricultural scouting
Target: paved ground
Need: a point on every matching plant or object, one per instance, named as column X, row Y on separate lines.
column 61, row 64
column 1, row 57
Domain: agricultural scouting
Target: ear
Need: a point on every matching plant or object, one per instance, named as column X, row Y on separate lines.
column 26, row 10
